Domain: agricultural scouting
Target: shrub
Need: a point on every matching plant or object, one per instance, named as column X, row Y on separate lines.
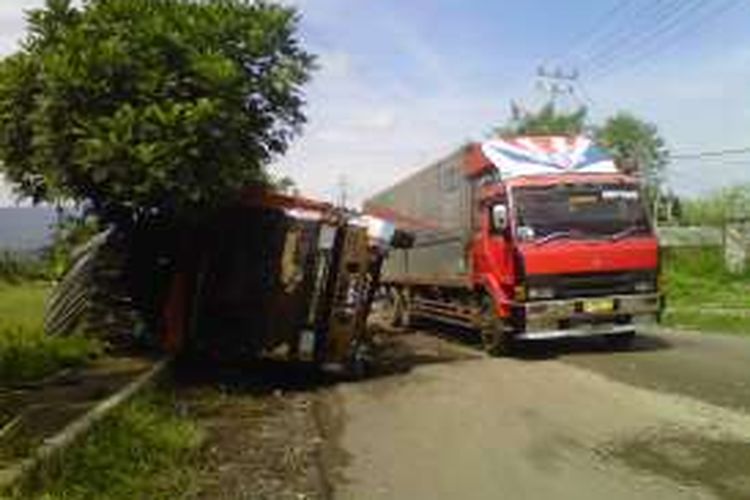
column 28, row 354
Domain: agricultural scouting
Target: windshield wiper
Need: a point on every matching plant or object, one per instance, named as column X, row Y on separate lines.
column 555, row 236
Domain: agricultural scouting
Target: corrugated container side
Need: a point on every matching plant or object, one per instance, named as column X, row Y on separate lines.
column 436, row 204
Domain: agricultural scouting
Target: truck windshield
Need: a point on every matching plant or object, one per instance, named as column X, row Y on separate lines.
column 579, row 211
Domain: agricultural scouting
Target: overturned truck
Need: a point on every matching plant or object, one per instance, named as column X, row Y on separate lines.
column 278, row 271
column 270, row 273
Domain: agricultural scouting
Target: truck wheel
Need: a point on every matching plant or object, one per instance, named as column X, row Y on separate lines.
column 496, row 340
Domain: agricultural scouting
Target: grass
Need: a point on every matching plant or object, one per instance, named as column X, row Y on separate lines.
column 144, row 449
column 708, row 321
column 703, row 295
column 26, row 353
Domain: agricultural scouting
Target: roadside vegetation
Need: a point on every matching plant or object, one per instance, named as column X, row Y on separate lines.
column 16, row 267
column 143, row 450
column 26, row 352
column 703, row 295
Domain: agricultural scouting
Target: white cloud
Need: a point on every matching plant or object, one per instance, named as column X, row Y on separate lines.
column 336, row 64
column 373, row 135
column 697, row 105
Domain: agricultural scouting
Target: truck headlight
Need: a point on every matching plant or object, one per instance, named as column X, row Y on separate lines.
column 536, row 293
column 644, row 286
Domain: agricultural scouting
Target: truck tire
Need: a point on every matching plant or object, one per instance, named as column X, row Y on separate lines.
column 495, row 337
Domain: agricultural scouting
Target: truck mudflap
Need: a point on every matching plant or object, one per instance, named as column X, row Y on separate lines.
column 589, row 316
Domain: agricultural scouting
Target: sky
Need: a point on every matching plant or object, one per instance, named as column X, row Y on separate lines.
column 401, row 83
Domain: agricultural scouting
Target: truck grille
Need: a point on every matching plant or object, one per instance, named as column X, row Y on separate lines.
column 591, row 284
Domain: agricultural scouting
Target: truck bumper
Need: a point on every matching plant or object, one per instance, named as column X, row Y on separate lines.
column 610, row 315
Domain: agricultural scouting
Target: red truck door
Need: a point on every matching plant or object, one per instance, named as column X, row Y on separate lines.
column 493, row 258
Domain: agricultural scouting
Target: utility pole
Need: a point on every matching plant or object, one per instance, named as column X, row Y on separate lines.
column 557, row 83
column 343, row 186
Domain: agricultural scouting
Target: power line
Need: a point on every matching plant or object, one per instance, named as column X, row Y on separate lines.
column 587, row 37
column 673, row 33
column 667, row 20
column 653, row 13
column 710, row 154
column 607, row 40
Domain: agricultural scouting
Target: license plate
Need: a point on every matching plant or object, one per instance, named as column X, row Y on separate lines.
column 598, row 306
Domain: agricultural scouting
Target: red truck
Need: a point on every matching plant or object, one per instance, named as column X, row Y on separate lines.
column 523, row 238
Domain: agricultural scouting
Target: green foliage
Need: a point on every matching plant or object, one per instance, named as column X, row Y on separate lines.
column 16, row 267
column 636, row 142
column 71, row 231
column 143, row 450
column 702, row 294
column 284, row 185
column 699, row 276
column 23, row 305
column 725, row 205
column 143, row 106
column 708, row 320
column 547, row 121
column 29, row 355
column 26, row 353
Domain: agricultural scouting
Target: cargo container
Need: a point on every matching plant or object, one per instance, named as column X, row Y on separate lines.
column 523, row 238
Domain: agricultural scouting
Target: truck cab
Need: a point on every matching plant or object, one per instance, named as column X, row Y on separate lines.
column 564, row 254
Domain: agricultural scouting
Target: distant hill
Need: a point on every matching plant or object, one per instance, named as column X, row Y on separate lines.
column 27, row 228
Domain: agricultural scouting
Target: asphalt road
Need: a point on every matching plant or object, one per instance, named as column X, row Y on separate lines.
column 667, row 419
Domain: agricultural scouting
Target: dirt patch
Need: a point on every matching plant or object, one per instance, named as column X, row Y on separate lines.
column 259, row 446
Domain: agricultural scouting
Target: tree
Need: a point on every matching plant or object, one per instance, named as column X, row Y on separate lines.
column 546, row 121
column 636, row 142
column 720, row 207
column 143, row 107
column 285, row 185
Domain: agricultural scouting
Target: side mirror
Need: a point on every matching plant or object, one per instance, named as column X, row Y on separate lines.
column 499, row 218
column 402, row 239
